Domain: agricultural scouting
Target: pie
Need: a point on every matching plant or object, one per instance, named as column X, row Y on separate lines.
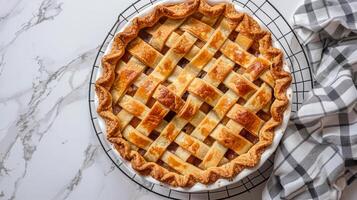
column 192, row 92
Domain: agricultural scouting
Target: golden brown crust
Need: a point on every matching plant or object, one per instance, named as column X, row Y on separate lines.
column 169, row 99
column 178, row 11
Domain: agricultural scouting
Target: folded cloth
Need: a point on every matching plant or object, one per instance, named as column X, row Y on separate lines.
column 317, row 156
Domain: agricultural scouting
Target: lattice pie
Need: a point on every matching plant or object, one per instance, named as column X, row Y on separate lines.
column 192, row 92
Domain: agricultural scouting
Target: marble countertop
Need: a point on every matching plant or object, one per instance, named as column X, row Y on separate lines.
column 47, row 146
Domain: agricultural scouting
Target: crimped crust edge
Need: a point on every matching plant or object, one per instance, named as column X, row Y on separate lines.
column 178, row 11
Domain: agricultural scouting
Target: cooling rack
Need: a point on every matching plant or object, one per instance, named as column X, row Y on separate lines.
column 295, row 57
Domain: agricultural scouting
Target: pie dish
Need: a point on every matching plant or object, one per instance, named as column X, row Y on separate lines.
column 192, row 92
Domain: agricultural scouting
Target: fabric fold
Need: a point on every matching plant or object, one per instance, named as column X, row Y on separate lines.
column 317, row 156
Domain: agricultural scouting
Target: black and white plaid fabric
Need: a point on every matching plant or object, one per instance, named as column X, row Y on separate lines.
column 317, row 157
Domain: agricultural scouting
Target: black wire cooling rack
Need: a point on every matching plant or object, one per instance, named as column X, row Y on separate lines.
column 296, row 59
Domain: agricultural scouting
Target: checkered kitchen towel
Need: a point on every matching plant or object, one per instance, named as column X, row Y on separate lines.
column 317, row 157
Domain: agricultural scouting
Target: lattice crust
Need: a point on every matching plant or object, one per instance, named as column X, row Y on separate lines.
column 192, row 92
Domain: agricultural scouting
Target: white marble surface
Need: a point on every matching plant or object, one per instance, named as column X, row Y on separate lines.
column 47, row 146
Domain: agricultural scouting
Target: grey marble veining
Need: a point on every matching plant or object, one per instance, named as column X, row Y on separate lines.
column 36, row 96
column 47, row 146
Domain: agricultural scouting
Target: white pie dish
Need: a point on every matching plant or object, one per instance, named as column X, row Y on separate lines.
column 220, row 182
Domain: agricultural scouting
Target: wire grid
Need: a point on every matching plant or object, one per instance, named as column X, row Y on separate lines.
column 295, row 57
